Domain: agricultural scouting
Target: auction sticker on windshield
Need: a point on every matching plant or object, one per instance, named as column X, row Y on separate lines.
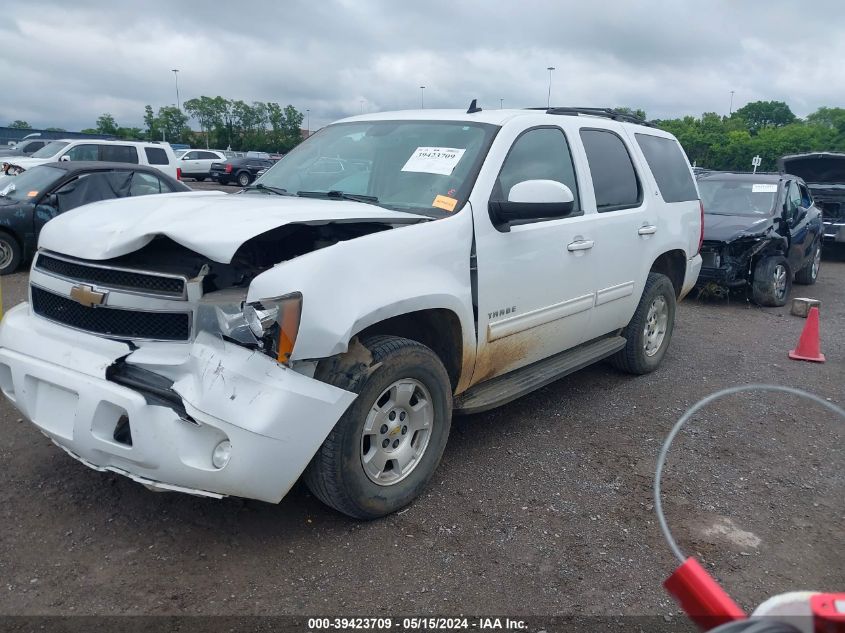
column 762, row 188
column 445, row 202
column 434, row 160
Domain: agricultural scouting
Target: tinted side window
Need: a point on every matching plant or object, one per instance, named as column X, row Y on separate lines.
column 207, row 156
column 119, row 153
column 614, row 179
column 793, row 199
column 670, row 169
column 82, row 152
column 806, row 198
column 539, row 154
column 156, row 156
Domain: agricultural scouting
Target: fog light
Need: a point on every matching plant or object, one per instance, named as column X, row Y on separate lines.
column 221, row 454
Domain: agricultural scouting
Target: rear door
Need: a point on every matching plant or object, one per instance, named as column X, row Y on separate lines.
column 625, row 230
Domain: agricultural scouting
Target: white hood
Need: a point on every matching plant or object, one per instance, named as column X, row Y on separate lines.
column 209, row 223
column 26, row 162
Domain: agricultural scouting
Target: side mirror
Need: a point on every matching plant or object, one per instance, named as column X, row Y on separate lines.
column 532, row 201
column 64, row 159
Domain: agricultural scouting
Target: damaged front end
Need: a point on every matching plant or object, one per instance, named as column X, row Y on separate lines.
column 729, row 265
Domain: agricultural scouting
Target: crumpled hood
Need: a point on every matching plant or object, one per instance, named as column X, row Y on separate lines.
column 727, row 228
column 213, row 224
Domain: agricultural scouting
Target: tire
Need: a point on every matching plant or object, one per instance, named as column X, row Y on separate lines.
column 650, row 330
column 10, row 254
column 810, row 272
column 244, row 178
column 772, row 281
column 199, row 178
column 340, row 473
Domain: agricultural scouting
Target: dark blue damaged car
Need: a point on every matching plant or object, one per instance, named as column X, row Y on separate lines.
column 29, row 200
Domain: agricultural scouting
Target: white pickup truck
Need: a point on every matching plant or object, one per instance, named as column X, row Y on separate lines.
column 326, row 322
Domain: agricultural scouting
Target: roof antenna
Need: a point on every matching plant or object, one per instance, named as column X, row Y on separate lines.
column 473, row 107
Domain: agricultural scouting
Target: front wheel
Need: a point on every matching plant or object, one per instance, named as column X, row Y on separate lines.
column 10, row 254
column 385, row 448
column 810, row 272
column 650, row 329
column 771, row 282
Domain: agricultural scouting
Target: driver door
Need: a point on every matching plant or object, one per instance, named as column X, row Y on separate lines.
column 535, row 291
column 802, row 233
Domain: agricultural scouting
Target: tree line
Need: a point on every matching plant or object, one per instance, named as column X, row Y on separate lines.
column 768, row 129
column 223, row 123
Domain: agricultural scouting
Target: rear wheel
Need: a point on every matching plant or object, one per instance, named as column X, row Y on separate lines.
column 650, row 329
column 10, row 254
column 810, row 272
column 385, row 448
column 772, row 281
column 244, row 178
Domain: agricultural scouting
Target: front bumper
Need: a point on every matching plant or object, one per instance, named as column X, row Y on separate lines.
column 725, row 276
column 834, row 231
column 274, row 417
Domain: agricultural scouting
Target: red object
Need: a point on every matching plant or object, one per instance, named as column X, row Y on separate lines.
column 228, row 169
column 701, row 234
column 701, row 597
column 828, row 612
column 178, row 173
column 808, row 345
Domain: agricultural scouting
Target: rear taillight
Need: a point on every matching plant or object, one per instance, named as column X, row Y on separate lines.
column 228, row 169
column 701, row 234
column 178, row 173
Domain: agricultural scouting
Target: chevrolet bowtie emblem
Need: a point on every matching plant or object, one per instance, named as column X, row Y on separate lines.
column 87, row 296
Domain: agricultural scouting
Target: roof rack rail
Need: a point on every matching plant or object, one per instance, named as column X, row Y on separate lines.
column 607, row 113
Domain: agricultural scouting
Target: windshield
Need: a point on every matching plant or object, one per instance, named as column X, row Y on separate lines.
column 425, row 167
column 737, row 197
column 50, row 149
column 30, row 184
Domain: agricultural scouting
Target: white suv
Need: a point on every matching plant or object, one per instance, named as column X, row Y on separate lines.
column 457, row 261
column 196, row 163
column 158, row 155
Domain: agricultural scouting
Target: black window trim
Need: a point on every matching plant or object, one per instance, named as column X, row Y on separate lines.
column 637, row 175
column 578, row 185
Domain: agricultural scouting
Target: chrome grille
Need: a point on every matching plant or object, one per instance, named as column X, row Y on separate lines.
column 110, row 321
column 109, row 277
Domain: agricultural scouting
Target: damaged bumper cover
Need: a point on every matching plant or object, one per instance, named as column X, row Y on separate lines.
column 274, row 417
column 729, row 264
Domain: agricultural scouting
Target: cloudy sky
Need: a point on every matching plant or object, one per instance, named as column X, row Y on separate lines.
column 64, row 62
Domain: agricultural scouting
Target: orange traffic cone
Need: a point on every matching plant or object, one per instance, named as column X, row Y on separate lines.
column 808, row 345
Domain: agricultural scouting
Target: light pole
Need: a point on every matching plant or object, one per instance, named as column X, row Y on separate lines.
column 176, row 75
column 422, row 97
column 549, row 100
column 362, row 106
column 501, row 103
column 731, row 111
column 308, row 121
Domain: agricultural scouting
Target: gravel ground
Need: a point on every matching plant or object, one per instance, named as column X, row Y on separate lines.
column 540, row 507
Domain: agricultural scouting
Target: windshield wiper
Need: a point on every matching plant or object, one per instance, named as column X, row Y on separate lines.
column 338, row 195
column 277, row 190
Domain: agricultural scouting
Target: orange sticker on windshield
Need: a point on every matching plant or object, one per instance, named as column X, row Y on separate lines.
column 445, row 202
column 32, row 194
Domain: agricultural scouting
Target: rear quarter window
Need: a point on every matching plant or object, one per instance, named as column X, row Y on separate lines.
column 156, row 156
column 669, row 166
column 615, row 180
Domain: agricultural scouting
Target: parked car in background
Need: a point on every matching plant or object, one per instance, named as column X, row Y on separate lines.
column 39, row 194
column 824, row 173
column 196, row 163
column 241, row 171
column 158, row 155
column 760, row 230
column 24, row 148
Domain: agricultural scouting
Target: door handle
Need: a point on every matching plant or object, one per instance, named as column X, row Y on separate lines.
column 580, row 245
column 649, row 229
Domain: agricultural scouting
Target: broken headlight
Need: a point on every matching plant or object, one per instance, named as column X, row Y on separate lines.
column 270, row 325
column 276, row 323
